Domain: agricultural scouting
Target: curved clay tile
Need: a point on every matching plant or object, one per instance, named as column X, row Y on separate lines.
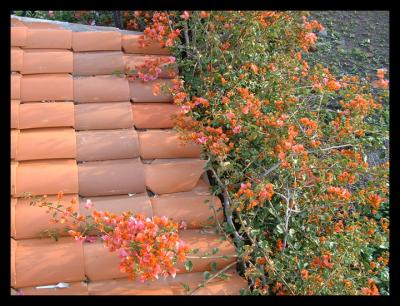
column 173, row 175
column 47, row 177
column 36, row 262
column 143, row 91
column 103, row 116
column 136, row 204
column 133, row 60
column 27, row 221
column 13, row 177
column 101, row 88
column 45, row 38
column 100, row 263
column 217, row 286
column 75, row 288
column 206, row 242
column 41, row 115
column 96, row 41
column 47, row 143
column 14, row 143
column 16, row 59
column 154, row 115
column 46, row 87
column 166, row 144
column 47, row 61
column 97, row 256
column 107, row 144
column 124, row 286
column 111, row 177
column 18, row 36
column 98, row 63
column 15, row 104
column 15, row 86
column 190, row 206
column 130, row 44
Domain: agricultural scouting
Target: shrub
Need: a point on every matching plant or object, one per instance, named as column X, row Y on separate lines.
column 287, row 147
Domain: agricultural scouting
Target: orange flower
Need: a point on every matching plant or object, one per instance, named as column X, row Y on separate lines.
column 304, row 274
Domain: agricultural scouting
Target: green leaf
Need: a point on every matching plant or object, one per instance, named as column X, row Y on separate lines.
column 215, row 251
column 206, row 275
column 280, row 229
column 213, row 266
column 188, row 265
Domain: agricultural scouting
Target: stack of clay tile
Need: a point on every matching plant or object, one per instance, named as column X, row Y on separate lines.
column 78, row 128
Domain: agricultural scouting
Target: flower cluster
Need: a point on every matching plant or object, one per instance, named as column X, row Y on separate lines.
column 148, row 247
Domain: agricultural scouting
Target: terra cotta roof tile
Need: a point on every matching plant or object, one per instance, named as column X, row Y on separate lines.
column 143, row 91
column 36, row 262
column 173, row 175
column 50, row 177
column 130, row 44
column 40, row 115
column 15, row 104
column 137, row 203
column 111, row 177
column 154, row 115
column 133, row 60
column 27, row 221
column 47, row 61
column 190, row 206
column 166, row 144
column 16, row 59
column 103, row 116
column 107, row 144
column 14, row 143
column 47, row 87
column 15, row 86
column 75, row 288
column 47, row 143
column 104, row 88
column 45, row 38
column 98, row 63
column 96, row 41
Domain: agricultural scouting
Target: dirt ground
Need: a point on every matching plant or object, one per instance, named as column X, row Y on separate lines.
column 354, row 42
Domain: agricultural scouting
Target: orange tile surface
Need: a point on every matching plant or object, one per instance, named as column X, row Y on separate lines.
column 50, row 177
column 143, row 91
column 42, row 115
column 97, row 257
column 138, row 203
column 14, row 143
column 96, row 41
column 111, row 177
column 190, row 206
column 98, row 63
column 15, row 86
column 13, row 176
column 206, row 242
column 48, row 143
column 103, row 116
column 131, row 62
column 47, row 87
column 154, row 115
column 27, row 221
column 48, row 38
column 173, row 175
column 18, row 36
column 16, row 59
column 130, row 44
column 104, row 88
column 166, row 144
column 15, row 104
column 36, row 262
column 47, row 61
column 75, row 288
column 107, row 144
